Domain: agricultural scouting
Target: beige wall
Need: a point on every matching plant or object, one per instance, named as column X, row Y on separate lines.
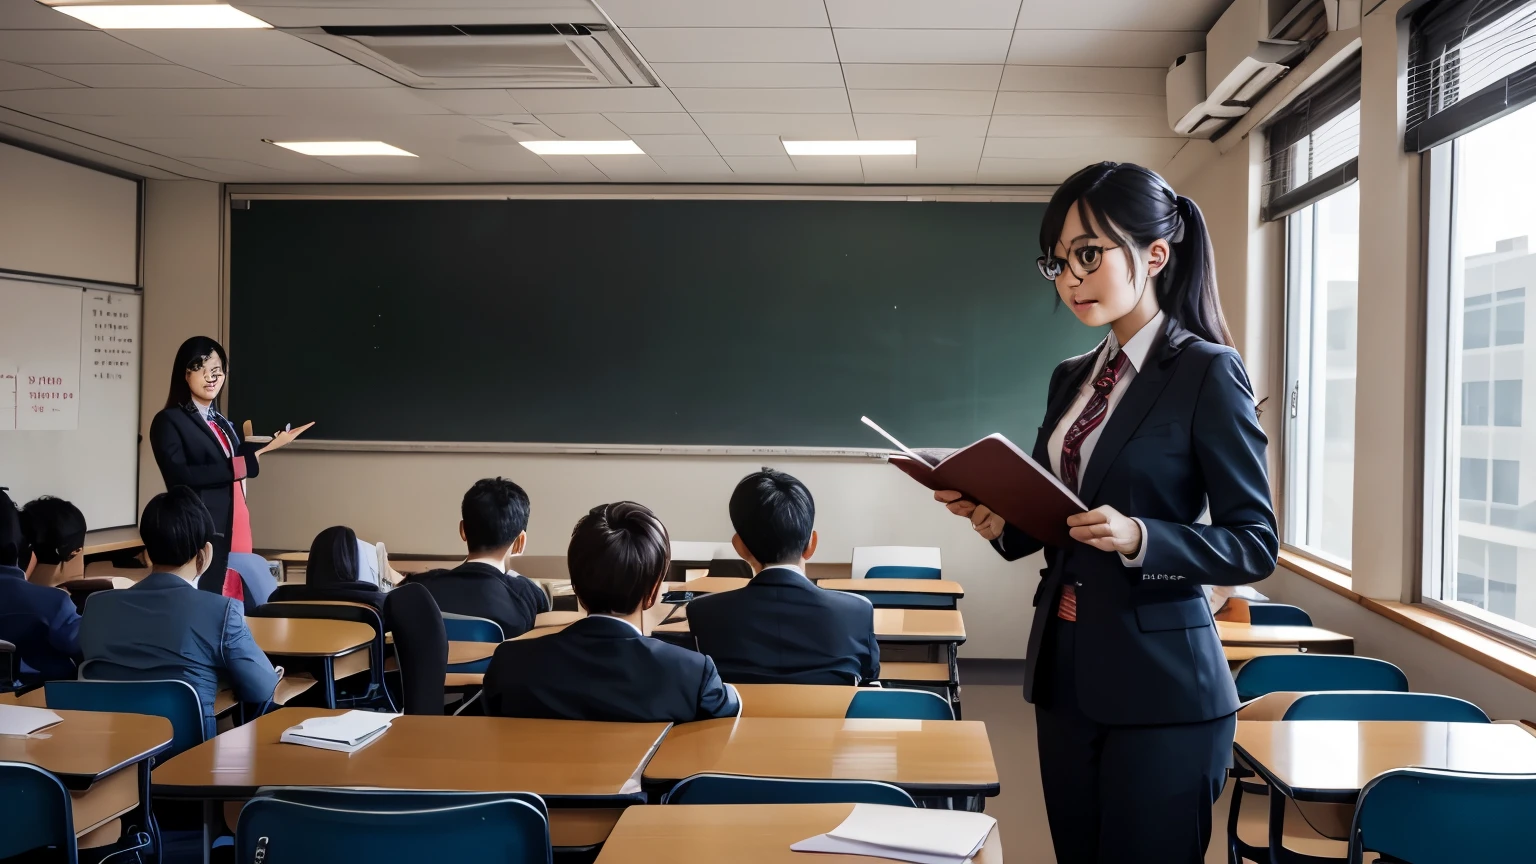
column 62, row 219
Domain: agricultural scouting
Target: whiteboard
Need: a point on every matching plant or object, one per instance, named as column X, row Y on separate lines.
column 69, row 397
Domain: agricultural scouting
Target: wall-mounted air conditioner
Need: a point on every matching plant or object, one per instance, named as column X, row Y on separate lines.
column 1189, row 113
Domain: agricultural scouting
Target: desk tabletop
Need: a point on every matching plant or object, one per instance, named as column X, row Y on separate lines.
column 308, row 637
column 921, row 756
column 1235, row 633
column 940, row 587
column 749, row 834
column 1334, row 759
column 894, row 625
column 89, row 744
column 555, row 758
column 470, row 652
column 1244, row 653
column 794, row 700
column 112, row 540
column 557, row 619
column 707, row 584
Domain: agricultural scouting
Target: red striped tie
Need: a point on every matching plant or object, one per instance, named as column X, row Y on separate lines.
column 1071, row 452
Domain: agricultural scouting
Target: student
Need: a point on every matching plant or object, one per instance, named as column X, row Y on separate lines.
column 602, row 667
column 164, row 627
column 335, row 571
column 494, row 528
column 781, row 628
column 55, row 529
column 40, row 621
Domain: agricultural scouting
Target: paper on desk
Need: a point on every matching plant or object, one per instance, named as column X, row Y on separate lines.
column 345, row 732
column 905, row 834
column 21, row 720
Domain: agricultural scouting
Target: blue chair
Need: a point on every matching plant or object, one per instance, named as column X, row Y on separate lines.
column 467, row 628
column 256, row 575
column 37, row 812
column 176, row 701
column 392, row 800
column 1308, row 672
column 501, row 831
column 1278, row 615
column 1445, row 817
column 901, row 571
column 734, row 789
column 899, row 705
column 1347, row 705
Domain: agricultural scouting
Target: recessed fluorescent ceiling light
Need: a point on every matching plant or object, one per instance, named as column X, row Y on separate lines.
column 850, row 148
column 343, row 148
column 212, row 16
column 584, row 148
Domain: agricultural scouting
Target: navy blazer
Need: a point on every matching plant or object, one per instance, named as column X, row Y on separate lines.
column 43, row 625
column 164, row 628
column 1185, row 435
column 472, row 588
column 781, row 628
column 601, row 669
column 189, row 454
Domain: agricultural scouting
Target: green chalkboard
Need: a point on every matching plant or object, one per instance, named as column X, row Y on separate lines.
column 763, row 323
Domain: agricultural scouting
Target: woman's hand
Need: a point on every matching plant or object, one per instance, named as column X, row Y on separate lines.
column 1107, row 529
column 284, row 437
column 986, row 523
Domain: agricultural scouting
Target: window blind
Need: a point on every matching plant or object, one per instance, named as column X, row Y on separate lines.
column 1312, row 148
column 1469, row 63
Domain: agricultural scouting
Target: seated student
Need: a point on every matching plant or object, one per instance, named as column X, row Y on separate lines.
column 335, row 571
column 781, row 628
column 164, row 627
column 56, row 530
column 494, row 528
column 602, row 667
column 40, row 621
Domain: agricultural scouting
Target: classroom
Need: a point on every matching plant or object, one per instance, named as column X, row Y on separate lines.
column 537, row 371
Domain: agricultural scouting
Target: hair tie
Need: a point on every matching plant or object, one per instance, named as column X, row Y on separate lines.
column 1181, row 208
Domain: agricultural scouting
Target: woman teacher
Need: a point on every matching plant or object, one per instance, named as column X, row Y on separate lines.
column 1134, row 703
column 196, row 446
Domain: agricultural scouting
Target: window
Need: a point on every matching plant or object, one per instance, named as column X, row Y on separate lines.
column 1506, row 402
column 1474, row 403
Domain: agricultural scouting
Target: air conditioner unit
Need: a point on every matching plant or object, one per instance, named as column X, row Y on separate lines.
column 1255, row 42
column 488, row 56
column 1189, row 112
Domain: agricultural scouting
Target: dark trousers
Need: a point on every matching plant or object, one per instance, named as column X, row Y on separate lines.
column 1122, row 794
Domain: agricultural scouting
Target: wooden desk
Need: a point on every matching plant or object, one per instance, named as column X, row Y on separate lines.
column 341, row 646
column 571, row 764
column 748, row 834
column 930, row 626
column 1332, row 760
column 557, row 619
column 90, row 752
column 937, row 587
column 795, row 700
column 111, row 540
column 707, row 584
column 1240, row 654
column 925, row 757
column 1313, row 639
column 470, row 652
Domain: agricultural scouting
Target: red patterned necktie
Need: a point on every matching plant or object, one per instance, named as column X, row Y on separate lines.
column 1071, row 452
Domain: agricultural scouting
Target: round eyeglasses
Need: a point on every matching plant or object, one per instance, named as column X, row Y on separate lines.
column 1087, row 258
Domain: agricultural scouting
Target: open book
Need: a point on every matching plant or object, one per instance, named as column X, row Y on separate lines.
column 905, row 834
column 995, row 472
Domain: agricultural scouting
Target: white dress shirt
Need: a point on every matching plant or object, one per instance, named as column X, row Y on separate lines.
column 626, row 621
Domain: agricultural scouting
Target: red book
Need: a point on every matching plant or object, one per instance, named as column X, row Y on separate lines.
column 995, row 472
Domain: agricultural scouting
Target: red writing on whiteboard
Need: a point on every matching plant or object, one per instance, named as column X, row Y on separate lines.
column 44, row 394
column 46, row 381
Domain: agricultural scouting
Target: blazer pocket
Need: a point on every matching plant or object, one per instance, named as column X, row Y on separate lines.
column 1173, row 615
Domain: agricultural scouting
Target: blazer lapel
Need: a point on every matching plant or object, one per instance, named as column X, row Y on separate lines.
column 1060, row 401
column 197, row 420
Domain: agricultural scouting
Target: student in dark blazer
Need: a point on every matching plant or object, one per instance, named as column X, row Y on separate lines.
column 781, row 628
column 197, row 447
column 494, row 527
column 39, row 620
column 602, row 667
column 333, row 572
column 1134, row 703
column 55, row 530
column 164, row 628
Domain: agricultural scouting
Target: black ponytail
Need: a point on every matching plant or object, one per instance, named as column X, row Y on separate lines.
column 1136, row 207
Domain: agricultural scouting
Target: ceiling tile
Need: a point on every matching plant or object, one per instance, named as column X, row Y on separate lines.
column 887, row 163
column 599, row 101
column 237, row 170
column 734, row 45
column 925, row 14
column 748, row 145
column 31, row 15
column 922, row 46
column 575, row 169
column 214, row 104
column 305, row 76
column 1088, row 47
column 420, row 168
column 17, row 77
column 676, row 145
column 199, row 48
column 68, row 46
column 583, row 127
column 479, row 103
column 716, row 13
column 922, row 101
column 828, row 165
column 804, row 126
column 1027, row 171
column 1120, row 15
column 1094, row 104
column 654, row 124
column 135, row 75
column 920, row 76
column 1084, row 79
column 760, row 164
column 676, row 75
column 949, row 152
column 692, row 165
column 510, row 157
column 764, row 101
column 1153, row 152
column 887, row 126
column 628, row 168
column 1046, row 126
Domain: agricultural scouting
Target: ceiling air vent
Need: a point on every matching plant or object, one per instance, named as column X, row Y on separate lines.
column 489, row 56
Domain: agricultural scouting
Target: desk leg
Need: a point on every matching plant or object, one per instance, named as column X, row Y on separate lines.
column 151, row 827
column 1276, row 825
column 327, row 667
column 954, row 675
column 210, row 813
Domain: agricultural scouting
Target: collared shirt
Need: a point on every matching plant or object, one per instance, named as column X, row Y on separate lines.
column 626, row 621
column 795, row 567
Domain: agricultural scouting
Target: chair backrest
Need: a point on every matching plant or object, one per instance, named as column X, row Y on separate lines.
column 176, row 701
column 468, row 628
column 8, row 667
column 503, row 831
column 421, row 647
column 335, row 610
column 37, row 812
column 1307, row 672
column 256, row 573
column 730, row 567
column 1278, row 615
column 734, row 789
column 1444, row 817
column 867, row 557
column 1356, row 705
column 899, row 705
column 392, row 800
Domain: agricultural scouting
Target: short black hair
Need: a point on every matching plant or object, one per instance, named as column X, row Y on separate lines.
column 618, row 553
column 14, row 549
column 174, row 527
column 55, row 529
column 332, row 557
column 773, row 514
column 495, row 511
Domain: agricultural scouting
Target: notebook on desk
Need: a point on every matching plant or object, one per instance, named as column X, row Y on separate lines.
column 346, row 733
column 905, row 834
